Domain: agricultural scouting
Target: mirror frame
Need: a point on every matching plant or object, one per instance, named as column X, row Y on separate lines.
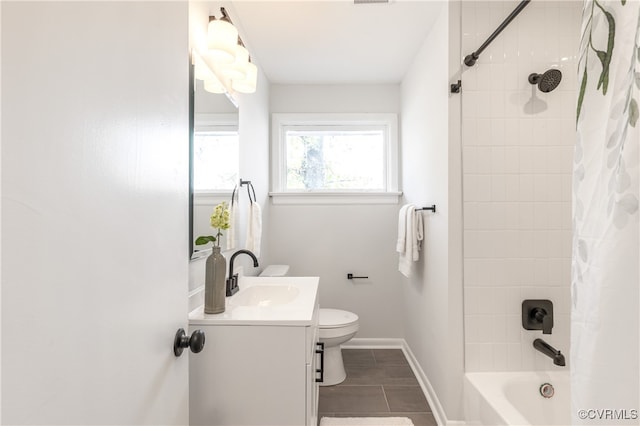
column 192, row 101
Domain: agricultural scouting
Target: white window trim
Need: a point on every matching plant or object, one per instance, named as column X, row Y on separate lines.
column 281, row 121
column 211, row 198
column 209, row 121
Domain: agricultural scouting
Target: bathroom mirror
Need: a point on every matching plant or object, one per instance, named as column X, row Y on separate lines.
column 213, row 156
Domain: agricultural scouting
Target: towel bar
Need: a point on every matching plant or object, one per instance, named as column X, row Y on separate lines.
column 432, row 208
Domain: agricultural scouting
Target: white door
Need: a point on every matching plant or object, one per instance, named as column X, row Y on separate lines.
column 94, row 212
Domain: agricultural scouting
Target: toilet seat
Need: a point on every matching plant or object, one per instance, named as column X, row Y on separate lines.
column 336, row 318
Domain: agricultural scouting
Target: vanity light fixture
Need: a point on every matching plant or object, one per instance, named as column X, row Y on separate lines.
column 247, row 84
column 200, row 68
column 202, row 72
column 238, row 69
column 214, row 86
column 227, row 58
column 222, row 38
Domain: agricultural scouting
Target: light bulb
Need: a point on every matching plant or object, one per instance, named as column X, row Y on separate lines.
column 238, row 69
column 222, row 38
column 249, row 82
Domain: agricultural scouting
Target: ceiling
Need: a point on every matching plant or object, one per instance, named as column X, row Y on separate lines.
column 334, row 41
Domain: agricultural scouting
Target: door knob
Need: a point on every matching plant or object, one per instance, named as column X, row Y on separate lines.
column 195, row 342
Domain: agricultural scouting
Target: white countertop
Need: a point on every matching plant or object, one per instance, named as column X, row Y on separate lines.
column 298, row 312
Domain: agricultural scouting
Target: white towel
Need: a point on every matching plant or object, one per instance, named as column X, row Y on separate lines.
column 232, row 236
column 410, row 235
column 417, row 235
column 254, row 229
column 402, row 228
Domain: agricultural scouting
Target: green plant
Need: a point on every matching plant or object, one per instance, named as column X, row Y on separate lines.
column 219, row 221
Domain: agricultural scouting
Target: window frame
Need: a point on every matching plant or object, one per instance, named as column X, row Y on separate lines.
column 281, row 122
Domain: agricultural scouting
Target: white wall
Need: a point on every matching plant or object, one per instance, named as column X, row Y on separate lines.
column 94, row 212
column 330, row 241
column 432, row 303
column 254, row 163
column 518, row 147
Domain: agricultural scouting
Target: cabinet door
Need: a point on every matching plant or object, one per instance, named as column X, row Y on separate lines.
column 263, row 365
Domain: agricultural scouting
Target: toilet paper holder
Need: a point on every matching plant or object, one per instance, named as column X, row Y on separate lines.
column 350, row 276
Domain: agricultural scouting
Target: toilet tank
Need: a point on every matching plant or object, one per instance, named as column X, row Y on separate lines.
column 275, row 271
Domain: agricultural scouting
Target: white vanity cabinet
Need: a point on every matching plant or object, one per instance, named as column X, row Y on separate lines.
column 257, row 367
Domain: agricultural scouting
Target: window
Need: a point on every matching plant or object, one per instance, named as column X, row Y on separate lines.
column 215, row 157
column 335, row 158
column 215, row 153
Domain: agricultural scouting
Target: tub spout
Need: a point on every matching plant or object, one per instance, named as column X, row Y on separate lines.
column 550, row 351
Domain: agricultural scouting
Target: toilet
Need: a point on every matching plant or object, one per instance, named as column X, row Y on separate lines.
column 335, row 328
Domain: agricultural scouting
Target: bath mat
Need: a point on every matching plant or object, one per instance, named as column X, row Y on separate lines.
column 366, row 421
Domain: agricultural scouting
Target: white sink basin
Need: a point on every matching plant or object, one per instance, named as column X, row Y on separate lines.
column 266, row 301
column 265, row 295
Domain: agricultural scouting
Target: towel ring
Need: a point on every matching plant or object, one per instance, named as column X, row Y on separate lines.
column 249, row 184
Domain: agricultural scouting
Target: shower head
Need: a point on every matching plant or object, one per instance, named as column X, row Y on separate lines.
column 546, row 82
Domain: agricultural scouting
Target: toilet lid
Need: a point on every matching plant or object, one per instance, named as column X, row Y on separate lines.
column 332, row 318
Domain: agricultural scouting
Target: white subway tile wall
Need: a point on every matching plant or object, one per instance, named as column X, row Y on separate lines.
column 517, row 165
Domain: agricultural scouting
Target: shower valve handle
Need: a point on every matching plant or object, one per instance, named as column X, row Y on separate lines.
column 537, row 315
column 547, row 324
column 543, row 318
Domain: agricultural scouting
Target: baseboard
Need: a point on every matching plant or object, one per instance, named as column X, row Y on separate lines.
column 425, row 385
column 427, row 389
column 364, row 343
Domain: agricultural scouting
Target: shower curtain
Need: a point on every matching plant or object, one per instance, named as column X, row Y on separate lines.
column 605, row 374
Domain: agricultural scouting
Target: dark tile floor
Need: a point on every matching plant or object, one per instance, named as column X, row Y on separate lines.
column 379, row 383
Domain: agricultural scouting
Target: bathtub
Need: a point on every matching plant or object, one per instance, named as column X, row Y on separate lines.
column 513, row 398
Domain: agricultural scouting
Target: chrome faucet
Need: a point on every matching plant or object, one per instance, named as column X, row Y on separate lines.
column 232, row 281
column 550, row 351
